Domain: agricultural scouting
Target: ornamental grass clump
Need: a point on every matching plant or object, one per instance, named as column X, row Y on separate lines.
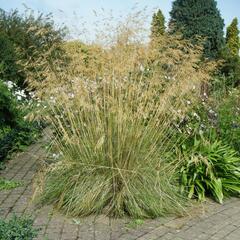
column 114, row 128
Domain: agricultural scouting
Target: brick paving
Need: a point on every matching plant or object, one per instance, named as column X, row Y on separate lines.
column 209, row 221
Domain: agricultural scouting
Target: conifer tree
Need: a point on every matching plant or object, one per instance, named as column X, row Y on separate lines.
column 199, row 18
column 232, row 38
column 158, row 24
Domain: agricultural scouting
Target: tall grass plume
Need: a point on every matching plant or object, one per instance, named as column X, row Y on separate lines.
column 112, row 111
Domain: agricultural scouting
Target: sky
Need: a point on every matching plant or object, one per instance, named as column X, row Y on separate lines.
column 70, row 12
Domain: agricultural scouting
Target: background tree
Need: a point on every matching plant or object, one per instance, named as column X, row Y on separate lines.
column 230, row 54
column 232, row 37
column 158, row 24
column 9, row 69
column 35, row 43
column 199, row 18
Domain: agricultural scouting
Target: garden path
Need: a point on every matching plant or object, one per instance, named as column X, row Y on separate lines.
column 209, row 221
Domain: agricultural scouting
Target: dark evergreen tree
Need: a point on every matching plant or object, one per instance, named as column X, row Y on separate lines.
column 199, row 18
column 158, row 24
column 232, row 38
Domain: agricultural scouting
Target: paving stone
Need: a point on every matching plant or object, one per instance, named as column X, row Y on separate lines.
column 86, row 235
column 168, row 236
column 202, row 236
column 190, row 234
column 40, row 221
column 68, row 236
column 224, row 232
column 235, row 235
column 52, row 235
column 177, row 223
column 156, row 233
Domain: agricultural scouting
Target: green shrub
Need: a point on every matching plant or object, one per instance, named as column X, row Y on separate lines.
column 8, row 108
column 17, row 228
column 30, row 45
column 211, row 168
column 219, row 113
column 231, row 66
column 15, row 132
column 231, row 69
column 229, row 119
column 18, row 138
column 9, row 69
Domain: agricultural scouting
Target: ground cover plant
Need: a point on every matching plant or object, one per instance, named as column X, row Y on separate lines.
column 7, row 184
column 211, row 169
column 17, row 228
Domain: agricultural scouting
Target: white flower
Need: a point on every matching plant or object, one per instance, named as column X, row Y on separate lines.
column 167, row 77
column 10, row 84
column 71, row 95
column 201, row 132
column 196, row 115
column 56, row 155
column 188, row 102
column 52, row 99
column 211, row 111
column 19, row 98
column 141, row 68
column 32, row 94
column 20, row 93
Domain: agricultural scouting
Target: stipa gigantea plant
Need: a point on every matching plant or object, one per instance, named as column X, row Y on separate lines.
column 114, row 130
